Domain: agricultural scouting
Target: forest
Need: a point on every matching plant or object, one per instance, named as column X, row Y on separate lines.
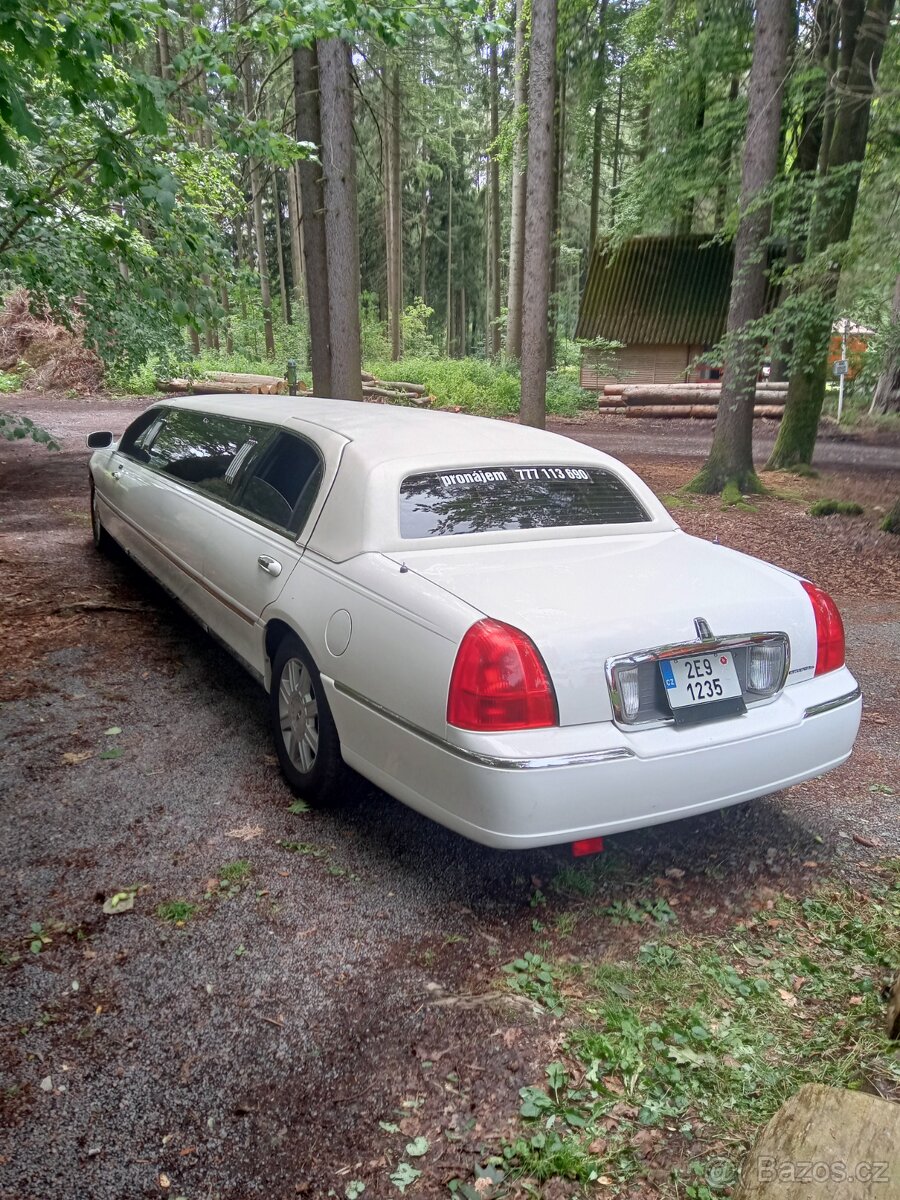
column 416, row 189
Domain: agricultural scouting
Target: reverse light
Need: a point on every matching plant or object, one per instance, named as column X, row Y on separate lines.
column 627, row 684
column 765, row 667
column 499, row 682
column 829, row 629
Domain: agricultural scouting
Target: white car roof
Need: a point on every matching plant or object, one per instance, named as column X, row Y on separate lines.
column 379, row 444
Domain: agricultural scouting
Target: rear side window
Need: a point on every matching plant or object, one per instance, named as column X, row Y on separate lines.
column 493, row 499
column 283, row 483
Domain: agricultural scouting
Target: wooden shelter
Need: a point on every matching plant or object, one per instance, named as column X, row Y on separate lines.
column 665, row 299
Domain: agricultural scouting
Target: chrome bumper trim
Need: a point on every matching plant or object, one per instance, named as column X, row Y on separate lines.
column 585, row 758
column 837, row 702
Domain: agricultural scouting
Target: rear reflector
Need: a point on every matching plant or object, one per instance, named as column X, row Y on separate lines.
column 829, row 629
column 499, row 682
column 587, row 846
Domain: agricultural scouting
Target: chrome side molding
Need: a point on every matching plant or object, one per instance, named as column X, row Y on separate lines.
column 585, row 758
column 838, row 702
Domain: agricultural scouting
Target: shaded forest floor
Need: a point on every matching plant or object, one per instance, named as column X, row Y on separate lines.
column 333, row 1003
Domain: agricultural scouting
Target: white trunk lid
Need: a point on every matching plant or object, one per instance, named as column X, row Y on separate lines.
column 584, row 600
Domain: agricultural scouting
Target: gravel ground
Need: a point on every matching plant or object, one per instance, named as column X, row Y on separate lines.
column 254, row 1050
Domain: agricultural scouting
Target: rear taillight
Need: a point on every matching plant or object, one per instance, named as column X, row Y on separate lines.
column 499, row 682
column 829, row 629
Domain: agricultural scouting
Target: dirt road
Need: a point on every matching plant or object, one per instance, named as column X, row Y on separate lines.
column 329, row 995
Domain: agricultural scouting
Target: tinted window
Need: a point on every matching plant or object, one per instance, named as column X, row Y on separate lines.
column 491, row 499
column 202, row 449
column 284, row 483
column 133, row 437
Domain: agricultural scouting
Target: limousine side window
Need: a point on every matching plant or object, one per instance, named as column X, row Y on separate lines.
column 141, row 430
column 203, row 449
column 282, row 488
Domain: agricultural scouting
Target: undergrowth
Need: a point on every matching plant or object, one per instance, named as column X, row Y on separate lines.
column 683, row 1053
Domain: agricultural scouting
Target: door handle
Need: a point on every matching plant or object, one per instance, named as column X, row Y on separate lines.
column 271, row 566
column 117, row 474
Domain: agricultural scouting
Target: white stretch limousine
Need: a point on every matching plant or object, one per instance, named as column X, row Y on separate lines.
column 501, row 627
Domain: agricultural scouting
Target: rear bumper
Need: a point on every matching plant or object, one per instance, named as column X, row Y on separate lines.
column 550, row 786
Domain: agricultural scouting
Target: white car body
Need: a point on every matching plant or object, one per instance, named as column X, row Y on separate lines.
column 383, row 616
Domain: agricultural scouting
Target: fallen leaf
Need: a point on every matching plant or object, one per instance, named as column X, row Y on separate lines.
column 112, row 752
column 113, row 731
column 165, row 1181
column 47, row 1083
column 865, row 841
column 119, row 903
column 187, row 1150
column 72, row 757
column 855, row 1000
column 245, row 833
column 674, row 873
column 417, row 1148
column 788, row 997
column 597, row 1146
column 811, row 866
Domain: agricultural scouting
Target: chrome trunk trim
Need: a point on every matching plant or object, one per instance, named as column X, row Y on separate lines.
column 838, row 702
column 679, row 649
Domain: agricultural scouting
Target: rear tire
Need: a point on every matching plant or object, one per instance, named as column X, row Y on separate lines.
column 102, row 541
column 306, row 738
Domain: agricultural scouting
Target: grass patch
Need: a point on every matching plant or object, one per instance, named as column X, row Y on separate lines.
column 685, row 1052
column 235, row 872
column 176, row 911
column 827, row 508
column 477, row 386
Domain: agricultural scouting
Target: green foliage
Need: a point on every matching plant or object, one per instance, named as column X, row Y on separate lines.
column 9, row 382
column 16, row 428
column 176, row 911
column 417, row 340
column 704, row 1037
column 477, row 386
column 826, row 508
column 531, row 976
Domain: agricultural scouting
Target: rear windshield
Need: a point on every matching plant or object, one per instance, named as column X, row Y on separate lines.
column 491, row 499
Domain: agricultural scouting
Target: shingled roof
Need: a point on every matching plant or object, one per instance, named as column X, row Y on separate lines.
column 657, row 291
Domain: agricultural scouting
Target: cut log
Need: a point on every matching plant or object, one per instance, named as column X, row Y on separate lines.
column 700, row 411
column 651, row 395
column 826, row 1144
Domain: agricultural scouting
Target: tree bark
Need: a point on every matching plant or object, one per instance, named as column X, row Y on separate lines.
column 731, row 455
column 830, row 226
column 394, row 213
column 256, row 201
column 312, row 206
column 538, row 214
column 617, row 145
column 517, row 197
column 341, row 223
column 559, row 136
column 279, row 252
column 887, row 390
column 294, row 215
column 229, row 339
column 597, row 149
column 494, row 209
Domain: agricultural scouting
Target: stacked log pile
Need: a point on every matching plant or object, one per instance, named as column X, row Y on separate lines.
column 698, row 400
column 377, row 391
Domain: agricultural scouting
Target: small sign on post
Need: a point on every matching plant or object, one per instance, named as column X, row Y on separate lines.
column 840, row 366
column 292, row 376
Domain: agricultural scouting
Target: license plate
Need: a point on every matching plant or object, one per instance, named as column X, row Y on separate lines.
column 700, row 679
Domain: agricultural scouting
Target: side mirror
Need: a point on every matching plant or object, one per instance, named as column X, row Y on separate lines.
column 99, row 441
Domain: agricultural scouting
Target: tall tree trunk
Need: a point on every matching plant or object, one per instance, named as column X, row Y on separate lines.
column 731, row 455
column 341, row 223
column 494, row 209
column 538, row 213
column 556, row 228
column 394, row 211
column 517, row 197
column 449, row 342
column 617, row 146
column 423, row 243
column 279, row 252
column 830, row 225
column 887, row 390
column 229, row 338
column 293, row 196
column 256, row 200
column 597, row 148
column 312, row 206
